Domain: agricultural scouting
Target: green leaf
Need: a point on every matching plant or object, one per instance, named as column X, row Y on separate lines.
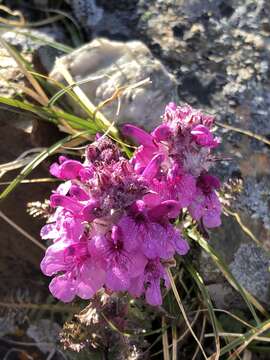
column 246, row 338
column 38, row 160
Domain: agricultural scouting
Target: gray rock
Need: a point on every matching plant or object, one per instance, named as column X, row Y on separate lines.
column 114, row 64
column 86, row 12
column 248, row 262
column 250, row 267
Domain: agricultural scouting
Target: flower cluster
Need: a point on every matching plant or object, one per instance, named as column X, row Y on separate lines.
column 112, row 227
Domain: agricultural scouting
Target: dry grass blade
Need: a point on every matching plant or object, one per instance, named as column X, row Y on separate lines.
column 243, row 227
column 245, row 339
column 201, row 339
column 206, row 297
column 179, row 302
column 180, row 337
column 88, row 105
column 244, row 132
column 43, row 99
column 21, row 160
column 174, row 343
column 21, row 231
column 237, row 335
column 38, row 160
column 165, row 341
column 32, row 181
column 15, row 13
column 40, row 40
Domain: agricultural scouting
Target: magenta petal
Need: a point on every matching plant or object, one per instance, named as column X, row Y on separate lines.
column 55, row 170
column 136, row 287
column 78, row 193
column 153, row 167
column 117, row 279
column 153, row 293
column 49, row 231
column 211, row 219
column 196, row 209
column 211, row 216
column 70, row 169
column 63, row 288
column 186, row 190
column 89, row 210
column 84, row 290
column 169, row 208
column 181, row 245
column 137, row 264
column 130, row 231
column 54, row 259
column 138, row 134
column 65, row 202
column 162, row 132
column 93, row 274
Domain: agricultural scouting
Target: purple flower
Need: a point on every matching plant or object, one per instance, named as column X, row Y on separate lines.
column 150, row 279
column 67, row 169
column 113, row 218
column 206, row 205
column 123, row 259
column 151, row 228
column 204, row 137
column 80, row 273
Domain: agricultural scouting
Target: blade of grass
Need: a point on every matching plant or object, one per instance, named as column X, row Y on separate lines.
column 246, row 338
column 14, row 13
column 249, row 299
column 31, row 181
column 66, row 89
column 90, row 108
column 201, row 340
column 34, row 163
column 21, row 64
column 174, row 343
column 199, row 281
column 165, row 341
column 181, row 337
column 182, row 309
column 243, row 226
column 244, row 132
column 51, row 115
column 40, row 40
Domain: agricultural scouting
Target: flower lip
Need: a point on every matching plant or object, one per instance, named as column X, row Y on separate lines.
column 141, row 136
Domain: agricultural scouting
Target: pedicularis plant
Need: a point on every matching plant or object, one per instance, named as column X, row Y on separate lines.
column 114, row 220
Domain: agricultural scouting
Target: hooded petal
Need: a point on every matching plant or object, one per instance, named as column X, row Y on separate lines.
column 141, row 136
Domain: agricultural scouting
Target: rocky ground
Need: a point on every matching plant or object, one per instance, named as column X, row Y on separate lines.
column 215, row 56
